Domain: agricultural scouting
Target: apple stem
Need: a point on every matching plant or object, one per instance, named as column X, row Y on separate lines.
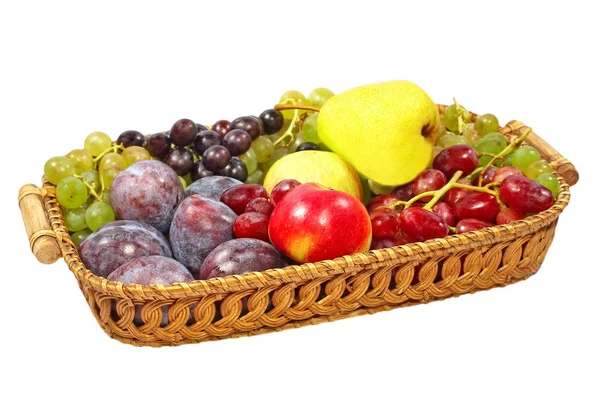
column 510, row 148
column 442, row 191
column 283, row 107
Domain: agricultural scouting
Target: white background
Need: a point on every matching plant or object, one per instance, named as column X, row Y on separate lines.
column 71, row 68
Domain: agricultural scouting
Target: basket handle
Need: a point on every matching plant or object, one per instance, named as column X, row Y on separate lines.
column 42, row 239
column 563, row 166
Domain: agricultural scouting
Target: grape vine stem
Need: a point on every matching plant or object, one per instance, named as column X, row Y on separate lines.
column 510, row 148
column 90, row 187
column 284, row 107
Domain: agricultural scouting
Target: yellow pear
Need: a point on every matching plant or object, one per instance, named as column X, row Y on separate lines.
column 385, row 130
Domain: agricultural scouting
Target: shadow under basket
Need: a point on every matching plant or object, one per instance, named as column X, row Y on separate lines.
column 295, row 296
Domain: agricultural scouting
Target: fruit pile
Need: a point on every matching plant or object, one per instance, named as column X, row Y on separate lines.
column 316, row 178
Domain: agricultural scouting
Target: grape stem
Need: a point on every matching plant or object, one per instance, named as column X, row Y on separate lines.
column 91, row 187
column 113, row 148
column 288, row 132
column 510, row 148
column 284, row 106
column 441, row 192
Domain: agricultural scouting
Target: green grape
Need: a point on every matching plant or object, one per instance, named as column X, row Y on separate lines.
column 524, row 156
column 309, row 129
column 75, row 219
column 379, row 189
column 493, row 143
column 436, row 150
column 452, row 139
column 98, row 214
column 508, row 159
column 318, row 96
column 296, row 98
column 299, row 139
column 487, row 123
column 256, row 178
column 71, row 192
column 82, row 160
column 249, row 159
column 484, row 160
column 79, row 236
column 451, row 117
column 272, row 137
column 183, row 182
column 471, row 134
column 537, row 168
column 135, row 154
column 105, row 197
column 108, row 175
column 92, row 178
column 57, row 168
column 277, row 155
column 441, row 133
column 112, row 160
column 549, row 181
column 263, row 149
column 96, row 142
column 188, row 180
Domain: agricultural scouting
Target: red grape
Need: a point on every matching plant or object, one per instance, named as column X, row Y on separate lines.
column 488, row 175
column 385, row 223
column 282, row 188
column 206, row 139
column 454, row 194
column 458, row 157
column 252, row 225
column 183, row 132
column 402, row 239
column 525, row 195
column 445, row 211
column 477, row 205
column 221, row 127
column 404, row 192
column 422, row 224
column 131, row 138
column 159, row 145
column 508, row 215
column 466, row 225
column 381, row 201
column 428, row 180
column 506, row 171
column 250, row 124
column 379, row 243
column 238, row 197
column 260, row 205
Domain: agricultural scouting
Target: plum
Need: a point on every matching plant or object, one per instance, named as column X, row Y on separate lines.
column 239, row 256
column 151, row 270
column 147, row 191
column 211, row 186
column 118, row 242
column 199, row 225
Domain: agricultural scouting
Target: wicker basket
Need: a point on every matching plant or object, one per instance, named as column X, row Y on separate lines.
column 312, row 293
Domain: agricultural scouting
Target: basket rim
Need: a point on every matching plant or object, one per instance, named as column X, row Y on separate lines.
column 373, row 259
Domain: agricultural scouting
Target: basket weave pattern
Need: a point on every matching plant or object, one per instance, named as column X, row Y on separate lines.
column 312, row 293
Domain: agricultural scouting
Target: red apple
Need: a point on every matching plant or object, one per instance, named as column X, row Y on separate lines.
column 314, row 223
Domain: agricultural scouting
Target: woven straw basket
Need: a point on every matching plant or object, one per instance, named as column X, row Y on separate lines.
column 312, row 293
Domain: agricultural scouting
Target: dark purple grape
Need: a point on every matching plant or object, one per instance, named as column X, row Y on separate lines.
column 199, row 171
column 119, row 242
column 308, row 146
column 216, row 158
column 235, row 169
column 199, row 226
column 206, row 139
column 131, row 138
column 211, row 186
column 272, row 121
column 183, row 132
column 237, row 141
column 201, row 128
column 159, row 145
column 221, row 127
column 240, row 256
column 249, row 124
column 152, row 270
column 181, row 160
column 147, row 191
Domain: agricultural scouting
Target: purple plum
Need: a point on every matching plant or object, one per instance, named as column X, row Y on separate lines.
column 147, row 191
column 211, row 186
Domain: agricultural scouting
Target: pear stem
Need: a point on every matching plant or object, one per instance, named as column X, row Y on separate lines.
column 283, row 107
